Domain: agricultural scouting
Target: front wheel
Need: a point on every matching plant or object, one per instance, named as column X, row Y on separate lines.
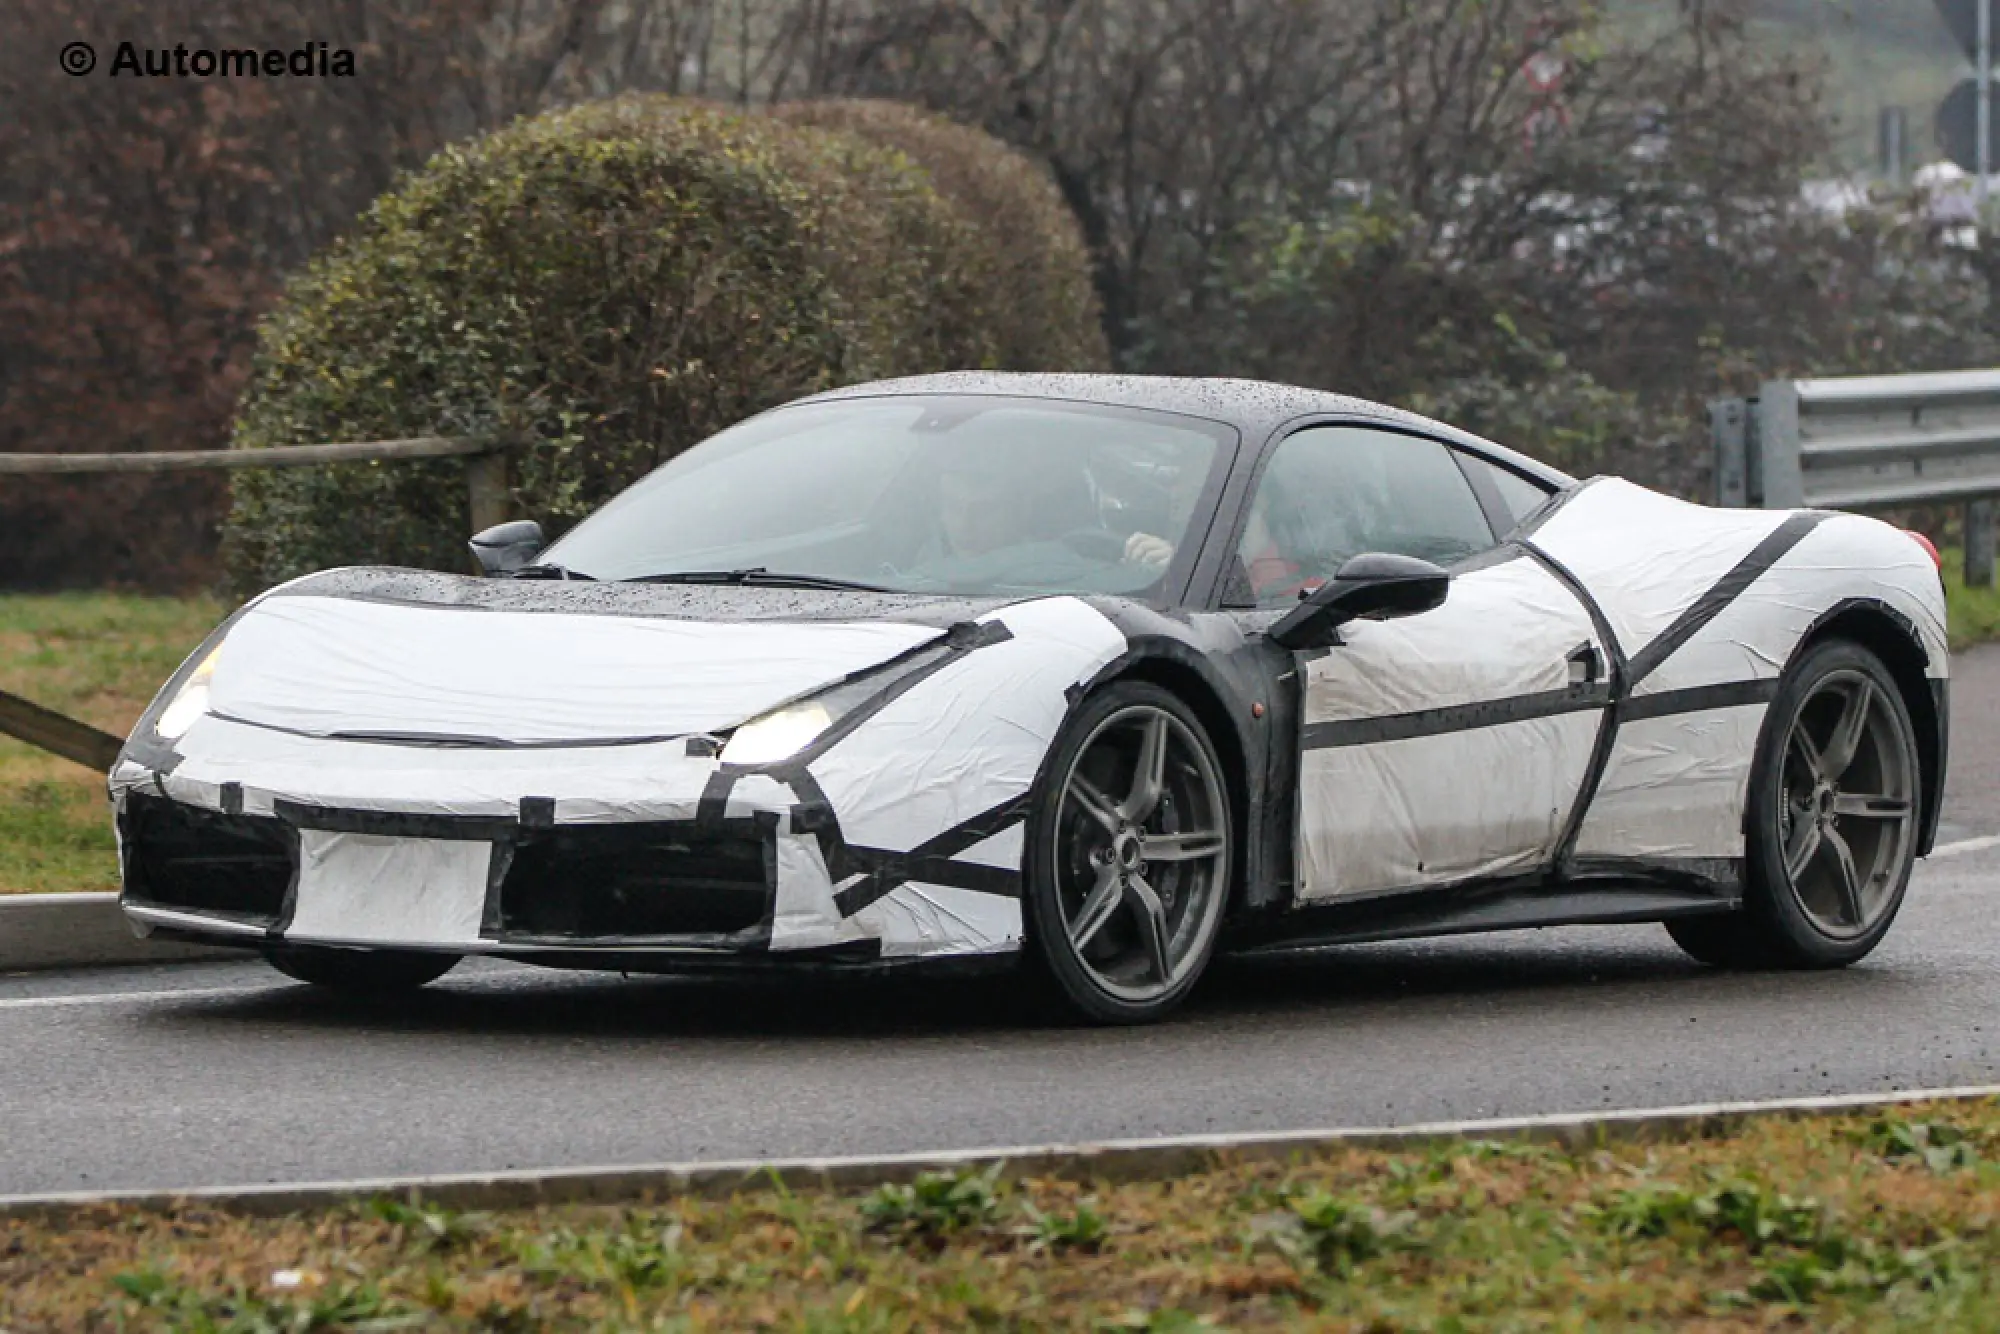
column 360, row 972
column 1835, row 797
column 1128, row 857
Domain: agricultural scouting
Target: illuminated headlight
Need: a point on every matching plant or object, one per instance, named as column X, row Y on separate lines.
column 189, row 702
column 790, row 728
column 778, row 735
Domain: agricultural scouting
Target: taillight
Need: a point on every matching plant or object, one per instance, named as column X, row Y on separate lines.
column 1929, row 547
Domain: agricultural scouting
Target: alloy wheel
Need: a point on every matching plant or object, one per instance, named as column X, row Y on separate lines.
column 1847, row 809
column 1142, row 852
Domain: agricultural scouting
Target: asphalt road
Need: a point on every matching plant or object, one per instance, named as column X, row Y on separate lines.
column 221, row 1075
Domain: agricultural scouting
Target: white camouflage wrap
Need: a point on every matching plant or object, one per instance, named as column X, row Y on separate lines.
column 1405, row 782
column 596, row 710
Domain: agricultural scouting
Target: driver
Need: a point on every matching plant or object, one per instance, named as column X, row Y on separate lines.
column 1022, row 510
column 1270, row 570
column 981, row 506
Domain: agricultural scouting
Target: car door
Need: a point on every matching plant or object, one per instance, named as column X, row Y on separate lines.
column 1439, row 748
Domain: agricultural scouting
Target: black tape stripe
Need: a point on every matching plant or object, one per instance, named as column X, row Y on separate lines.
column 938, row 654
column 890, row 870
column 814, row 814
column 714, row 803
column 932, row 861
column 393, row 824
column 1699, row 699
column 1607, row 728
column 1453, row 717
column 1724, row 591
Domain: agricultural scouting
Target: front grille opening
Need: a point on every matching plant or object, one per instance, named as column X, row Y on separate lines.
column 668, row 879
column 178, row 856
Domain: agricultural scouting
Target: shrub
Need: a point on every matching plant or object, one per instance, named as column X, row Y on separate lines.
column 1030, row 268
column 611, row 283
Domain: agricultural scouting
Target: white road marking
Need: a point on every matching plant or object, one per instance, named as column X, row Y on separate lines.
column 1965, row 845
column 118, row 997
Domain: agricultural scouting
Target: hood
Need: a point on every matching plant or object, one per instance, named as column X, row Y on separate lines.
column 340, row 666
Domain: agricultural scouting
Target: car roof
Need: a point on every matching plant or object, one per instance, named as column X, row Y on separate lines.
column 1254, row 407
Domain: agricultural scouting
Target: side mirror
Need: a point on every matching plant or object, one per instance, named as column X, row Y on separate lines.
column 1374, row 583
column 507, row 547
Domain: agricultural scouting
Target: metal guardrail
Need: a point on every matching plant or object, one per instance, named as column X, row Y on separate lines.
column 1868, row 442
column 486, row 504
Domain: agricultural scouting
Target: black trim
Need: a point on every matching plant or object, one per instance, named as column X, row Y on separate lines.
column 1723, row 592
column 1487, row 559
column 442, row 741
column 1452, row 718
column 1606, row 891
column 1698, row 699
column 1498, row 519
column 1941, row 703
column 1534, row 519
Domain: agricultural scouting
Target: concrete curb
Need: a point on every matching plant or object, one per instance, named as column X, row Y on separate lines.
column 81, row 931
column 1112, row 1160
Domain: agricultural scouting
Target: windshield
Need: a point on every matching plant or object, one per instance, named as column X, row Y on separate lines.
column 975, row 495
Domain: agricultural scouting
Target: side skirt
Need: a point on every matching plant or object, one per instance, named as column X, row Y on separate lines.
column 1605, row 891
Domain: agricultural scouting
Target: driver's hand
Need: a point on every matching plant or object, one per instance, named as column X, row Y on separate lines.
column 1146, row 549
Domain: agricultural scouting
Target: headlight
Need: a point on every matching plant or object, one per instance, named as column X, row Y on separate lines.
column 778, row 735
column 790, row 728
column 189, row 702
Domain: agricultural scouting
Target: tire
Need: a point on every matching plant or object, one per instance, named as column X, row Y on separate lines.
column 1126, row 881
column 1831, row 823
column 360, row 972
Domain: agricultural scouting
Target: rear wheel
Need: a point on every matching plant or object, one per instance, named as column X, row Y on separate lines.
column 361, row 972
column 1832, row 821
column 1128, row 857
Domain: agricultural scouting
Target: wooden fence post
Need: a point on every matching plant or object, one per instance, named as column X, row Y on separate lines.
column 486, row 489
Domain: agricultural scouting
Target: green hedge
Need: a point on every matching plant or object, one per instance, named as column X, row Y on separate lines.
column 614, row 282
column 1030, row 269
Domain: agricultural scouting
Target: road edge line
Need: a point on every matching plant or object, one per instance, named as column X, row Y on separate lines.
column 1110, row 1160
column 82, row 930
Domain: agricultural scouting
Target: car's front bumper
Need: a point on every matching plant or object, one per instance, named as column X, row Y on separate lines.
column 638, row 856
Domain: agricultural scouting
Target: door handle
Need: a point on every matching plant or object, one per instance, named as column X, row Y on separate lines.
column 1585, row 665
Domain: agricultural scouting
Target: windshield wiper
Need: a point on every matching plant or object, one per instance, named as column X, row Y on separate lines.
column 545, row 570
column 757, row 575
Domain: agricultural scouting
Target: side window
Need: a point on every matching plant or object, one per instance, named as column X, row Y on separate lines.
column 1518, row 496
column 1332, row 492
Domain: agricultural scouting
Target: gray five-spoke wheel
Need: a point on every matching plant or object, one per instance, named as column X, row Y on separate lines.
column 1847, row 805
column 1141, row 853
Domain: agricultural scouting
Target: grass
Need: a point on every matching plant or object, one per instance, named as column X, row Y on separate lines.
column 1859, row 1222
column 1972, row 613
column 94, row 656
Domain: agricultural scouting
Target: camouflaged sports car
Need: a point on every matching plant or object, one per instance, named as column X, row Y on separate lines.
column 1086, row 673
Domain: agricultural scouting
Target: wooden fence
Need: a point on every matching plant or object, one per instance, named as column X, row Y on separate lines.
column 486, row 505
